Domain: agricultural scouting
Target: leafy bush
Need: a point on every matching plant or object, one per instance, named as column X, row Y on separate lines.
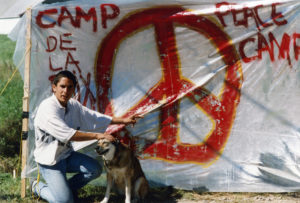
column 7, row 50
column 10, row 118
column 10, row 101
column 8, row 164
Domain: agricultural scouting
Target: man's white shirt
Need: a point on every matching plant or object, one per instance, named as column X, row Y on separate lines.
column 55, row 125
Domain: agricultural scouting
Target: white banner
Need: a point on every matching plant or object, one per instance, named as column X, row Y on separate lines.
column 217, row 82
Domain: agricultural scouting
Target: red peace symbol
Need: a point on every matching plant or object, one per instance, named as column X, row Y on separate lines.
column 221, row 109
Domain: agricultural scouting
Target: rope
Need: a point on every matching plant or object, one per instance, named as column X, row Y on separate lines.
column 36, row 187
column 18, row 66
column 8, row 81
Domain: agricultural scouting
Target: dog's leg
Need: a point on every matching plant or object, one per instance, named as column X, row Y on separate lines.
column 127, row 190
column 108, row 188
column 141, row 188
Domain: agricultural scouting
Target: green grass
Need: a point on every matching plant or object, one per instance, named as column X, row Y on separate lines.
column 10, row 192
column 11, row 187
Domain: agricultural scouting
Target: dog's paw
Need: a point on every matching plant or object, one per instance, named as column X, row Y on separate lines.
column 105, row 200
column 127, row 200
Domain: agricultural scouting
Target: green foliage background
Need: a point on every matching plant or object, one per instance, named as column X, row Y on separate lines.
column 10, row 107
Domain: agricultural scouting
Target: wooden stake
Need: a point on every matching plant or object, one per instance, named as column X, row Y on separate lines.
column 26, row 101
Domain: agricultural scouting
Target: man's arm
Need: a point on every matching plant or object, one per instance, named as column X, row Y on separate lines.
column 84, row 136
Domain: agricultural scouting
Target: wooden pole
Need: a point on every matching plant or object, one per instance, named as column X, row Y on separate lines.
column 25, row 116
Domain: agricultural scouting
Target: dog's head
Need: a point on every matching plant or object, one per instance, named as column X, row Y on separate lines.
column 106, row 149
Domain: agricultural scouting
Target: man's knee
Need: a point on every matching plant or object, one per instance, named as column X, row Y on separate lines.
column 64, row 199
column 60, row 197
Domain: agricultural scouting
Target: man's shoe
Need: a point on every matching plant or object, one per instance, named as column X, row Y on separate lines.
column 34, row 190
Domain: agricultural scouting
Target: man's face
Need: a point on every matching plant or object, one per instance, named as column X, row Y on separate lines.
column 63, row 90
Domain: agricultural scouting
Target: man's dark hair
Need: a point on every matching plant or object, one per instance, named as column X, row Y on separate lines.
column 65, row 74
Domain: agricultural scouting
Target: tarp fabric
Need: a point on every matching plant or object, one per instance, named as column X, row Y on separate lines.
column 218, row 83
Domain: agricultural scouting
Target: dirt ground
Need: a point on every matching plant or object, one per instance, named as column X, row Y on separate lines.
column 240, row 197
column 206, row 197
column 181, row 196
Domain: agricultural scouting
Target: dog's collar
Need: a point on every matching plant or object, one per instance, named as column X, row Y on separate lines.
column 116, row 142
column 104, row 152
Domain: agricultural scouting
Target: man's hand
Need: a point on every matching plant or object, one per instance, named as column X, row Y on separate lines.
column 105, row 136
column 132, row 119
column 129, row 120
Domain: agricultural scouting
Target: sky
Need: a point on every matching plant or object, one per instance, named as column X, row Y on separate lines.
column 6, row 25
column 10, row 11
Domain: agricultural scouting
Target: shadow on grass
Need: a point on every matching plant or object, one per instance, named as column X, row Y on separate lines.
column 159, row 194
